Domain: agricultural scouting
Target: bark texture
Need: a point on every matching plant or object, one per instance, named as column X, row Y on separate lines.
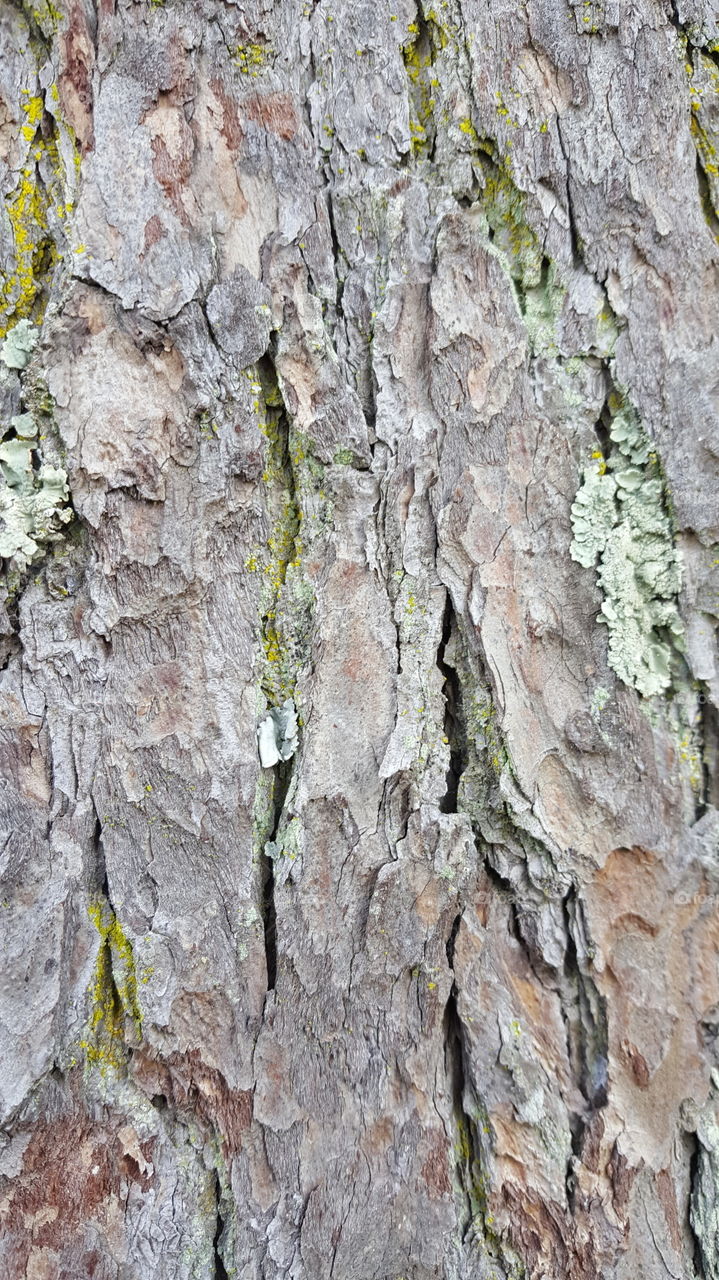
column 359, row 359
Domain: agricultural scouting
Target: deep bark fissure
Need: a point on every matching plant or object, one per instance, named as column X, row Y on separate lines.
column 220, row 1269
column 694, row 1177
column 99, row 857
column 453, row 724
column 710, row 214
column 584, row 1015
column 708, row 718
column 280, row 787
column 231, row 565
column 456, row 1080
column 602, row 428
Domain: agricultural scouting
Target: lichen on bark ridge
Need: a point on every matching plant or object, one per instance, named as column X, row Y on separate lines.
column 376, row 348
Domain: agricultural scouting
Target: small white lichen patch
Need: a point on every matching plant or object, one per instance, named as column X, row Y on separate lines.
column 277, row 734
column 33, row 499
column 621, row 526
column 19, row 345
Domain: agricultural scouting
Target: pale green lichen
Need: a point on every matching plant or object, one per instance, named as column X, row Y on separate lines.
column 593, row 514
column 33, row 494
column 622, row 527
column 33, row 500
column 19, row 345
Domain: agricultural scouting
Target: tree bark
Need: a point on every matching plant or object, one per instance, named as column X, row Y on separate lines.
column 359, row 362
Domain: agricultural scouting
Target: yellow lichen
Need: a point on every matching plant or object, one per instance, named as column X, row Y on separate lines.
column 252, row 58
column 41, row 190
column 113, row 991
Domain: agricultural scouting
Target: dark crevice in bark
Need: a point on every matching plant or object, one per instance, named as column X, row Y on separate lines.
column 705, row 199
column 337, row 254
column 591, row 1047
column 602, row 428
column 709, row 738
column 269, row 915
column 470, row 1120
column 453, row 724
column 282, row 779
column 220, row 1272
column 451, row 941
column 454, row 1069
column 99, row 858
column 573, row 235
column 583, row 1011
column 694, row 1177
column 286, row 628
column 418, row 55
column 454, row 1053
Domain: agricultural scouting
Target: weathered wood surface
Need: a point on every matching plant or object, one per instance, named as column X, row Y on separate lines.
column 377, row 351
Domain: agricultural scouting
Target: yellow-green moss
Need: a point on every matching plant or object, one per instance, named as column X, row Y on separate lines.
column 703, row 77
column 44, row 15
column 419, row 52
column 252, row 58
column 286, row 598
column 113, row 991
column 41, row 189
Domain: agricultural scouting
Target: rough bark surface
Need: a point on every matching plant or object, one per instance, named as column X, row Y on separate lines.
column 362, row 355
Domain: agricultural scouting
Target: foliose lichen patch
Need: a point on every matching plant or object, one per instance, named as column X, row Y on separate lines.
column 623, row 529
column 34, row 495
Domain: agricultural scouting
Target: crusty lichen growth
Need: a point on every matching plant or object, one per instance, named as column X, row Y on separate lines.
column 283, row 600
column 252, row 58
column 39, row 203
column 113, row 992
column 703, row 76
column 622, row 527
column 33, row 494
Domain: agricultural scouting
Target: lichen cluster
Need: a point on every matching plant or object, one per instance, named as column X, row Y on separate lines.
column 114, row 1001
column 38, row 206
column 703, row 76
column 33, row 494
column 622, row 527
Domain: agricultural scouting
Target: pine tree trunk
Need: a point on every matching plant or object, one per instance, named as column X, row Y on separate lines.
column 359, row 364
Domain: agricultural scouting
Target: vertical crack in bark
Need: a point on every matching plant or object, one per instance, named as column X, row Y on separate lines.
column 470, row 1122
column 583, row 1010
column 220, row 1269
column 456, row 1079
column 602, row 426
column 418, row 55
column 281, row 784
column 708, row 725
column 284, row 632
column 100, row 865
column 453, row 726
column 280, row 644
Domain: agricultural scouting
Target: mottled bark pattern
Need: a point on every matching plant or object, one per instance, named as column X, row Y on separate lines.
column 339, row 303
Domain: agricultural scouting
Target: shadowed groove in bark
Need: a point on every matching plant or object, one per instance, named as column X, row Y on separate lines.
column 694, row 1176
column 470, row 1122
column 709, row 739
column 175, row 604
column 281, row 784
column 99, row 858
column 583, row 1012
column 453, row 729
column 220, row 1269
column 454, row 1069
